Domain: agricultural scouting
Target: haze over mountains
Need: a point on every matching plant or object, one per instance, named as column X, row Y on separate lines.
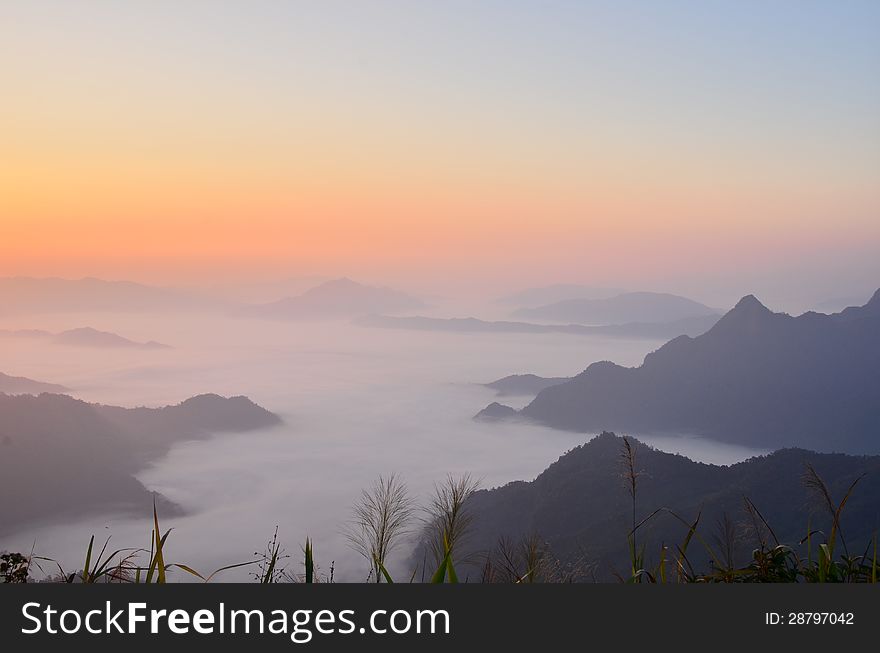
column 756, row 378
column 262, row 292
column 356, row 394
column 630, row 307
column 518, row 385
column 532, row 297
column 28, row 295
column 83, row 337
column 580, row 507
column 15, row 385
column 328, row 299
column 652, row 330
column 340, row 298
column 61, row 457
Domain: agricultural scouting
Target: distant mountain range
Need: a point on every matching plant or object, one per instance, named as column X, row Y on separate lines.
column 650, row 330
column 340, row 298
column 581, row 509
column 531, row 297
column 17, row 385
column 519, row 385
column 260, row 292
column 756, row 378
column 28, row 295
column 61, row 458
column 84, row 337
column 639, row 307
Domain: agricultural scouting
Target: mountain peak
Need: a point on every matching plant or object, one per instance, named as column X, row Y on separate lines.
column 749, row 309
column 496, row 412
column 343, row 281
column 746, row 317
column 340, row 285
column 750, row 303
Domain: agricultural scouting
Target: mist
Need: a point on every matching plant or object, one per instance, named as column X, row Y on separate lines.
column 355, row 403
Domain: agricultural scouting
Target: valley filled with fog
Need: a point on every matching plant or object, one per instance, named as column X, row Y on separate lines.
column 355, row 403
column 595, row 282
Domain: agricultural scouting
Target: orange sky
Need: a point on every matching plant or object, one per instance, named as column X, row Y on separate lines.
column 145, row 143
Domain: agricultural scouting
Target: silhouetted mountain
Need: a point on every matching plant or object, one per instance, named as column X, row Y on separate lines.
column 84, row 337
column 756, row 378
column 629, row 307
column 660, row 330
column 16, row 385
column 336, row 299
column 531, row 297
column 495, row 412
column 517, row 385
column 580, row 507
column 61, row 457
column 51, row 295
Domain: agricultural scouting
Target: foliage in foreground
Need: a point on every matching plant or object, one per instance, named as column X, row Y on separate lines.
column 385, row 512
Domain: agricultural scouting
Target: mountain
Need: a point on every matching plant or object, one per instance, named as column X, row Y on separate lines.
column 84, row 337
column 628, row 307
column 518, row 385
column 339, row 298
column 28, row 295
column 580, row 507
column 15, row 385
column 495, row 412
column 260, row 292
column 756, row 378
column 63, row 458
column 650, row 330
column 559, row 292
column 88, row 337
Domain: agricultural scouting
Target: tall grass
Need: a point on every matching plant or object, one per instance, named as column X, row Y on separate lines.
column 771, row 561
column 381, row 518
column 449, row 519
column 630, row 475
column 384, row 511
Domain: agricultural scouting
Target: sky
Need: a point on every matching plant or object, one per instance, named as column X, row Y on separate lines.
column 707, row 147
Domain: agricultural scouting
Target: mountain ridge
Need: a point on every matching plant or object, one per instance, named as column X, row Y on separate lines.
column 334, row 299
column 627, row 307
column 517, row 385
column 13, row 385
column 41, row 295
column 580, row 507
column 557, row 292
column 84, row 337
column 647, row 330
column 756, row 378
column 77, row 458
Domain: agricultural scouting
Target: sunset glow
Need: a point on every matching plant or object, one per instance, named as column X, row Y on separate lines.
column 435, row 141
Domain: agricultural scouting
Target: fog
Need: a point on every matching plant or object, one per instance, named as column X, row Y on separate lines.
column 356, row 403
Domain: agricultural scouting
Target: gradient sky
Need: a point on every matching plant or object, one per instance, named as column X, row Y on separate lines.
column 688, row 145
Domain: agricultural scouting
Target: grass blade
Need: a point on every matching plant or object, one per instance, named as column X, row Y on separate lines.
column 310, row 562
column 440, row 575
column 160, row 559
column 385, row 573
column 85, row 571
column 451, row 571
column 189, row 570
